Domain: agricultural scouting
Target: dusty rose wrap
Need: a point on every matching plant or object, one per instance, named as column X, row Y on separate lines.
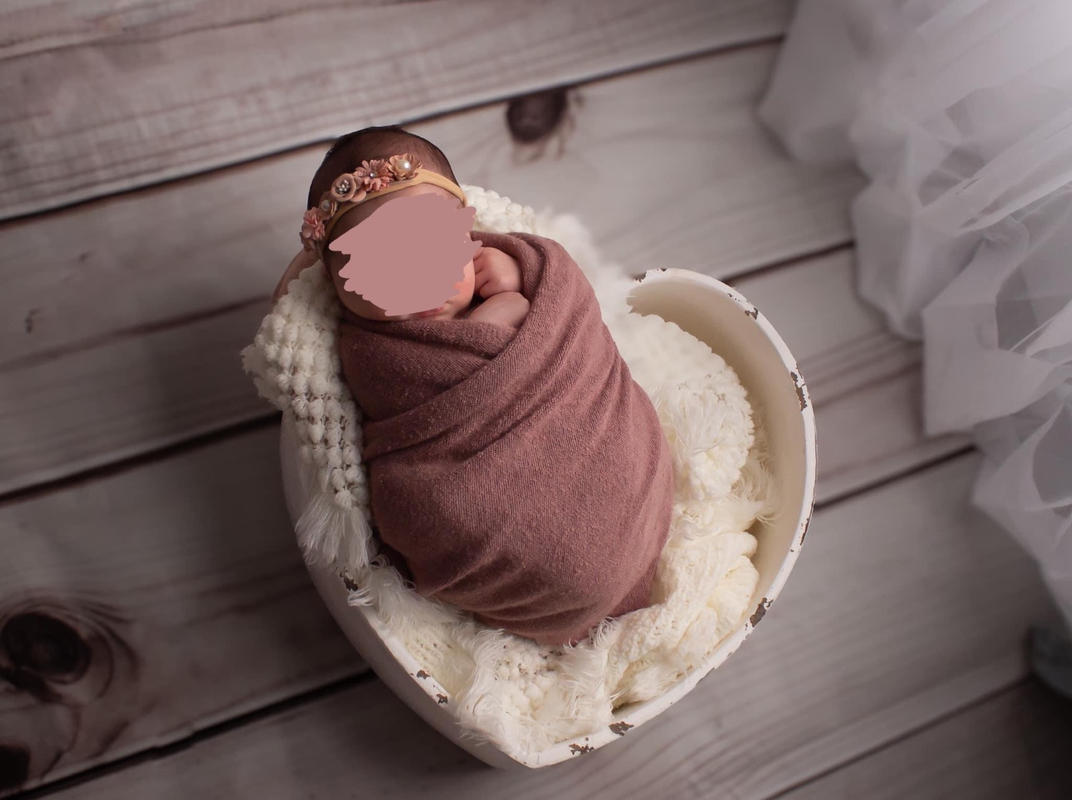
column 523, row 477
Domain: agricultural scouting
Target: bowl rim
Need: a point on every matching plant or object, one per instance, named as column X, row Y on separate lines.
column 641, row 712
column 806, row 411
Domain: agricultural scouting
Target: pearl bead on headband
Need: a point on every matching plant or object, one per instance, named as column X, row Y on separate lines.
column 376, row 177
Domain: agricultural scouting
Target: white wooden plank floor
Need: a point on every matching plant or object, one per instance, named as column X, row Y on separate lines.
column 147, row 552
column 101, row 312
column 884, row 623
column 1014, row 744
column 254, row 83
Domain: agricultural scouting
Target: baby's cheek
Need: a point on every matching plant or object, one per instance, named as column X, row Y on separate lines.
column 463, row 289
column 468, row 278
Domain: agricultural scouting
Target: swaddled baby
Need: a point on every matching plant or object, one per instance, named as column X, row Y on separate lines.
column 515, row 469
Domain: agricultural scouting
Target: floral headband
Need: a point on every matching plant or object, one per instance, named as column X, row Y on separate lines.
column 373, row 178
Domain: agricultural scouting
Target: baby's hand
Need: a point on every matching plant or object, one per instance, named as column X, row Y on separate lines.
column 505, row 308
column 495, row 272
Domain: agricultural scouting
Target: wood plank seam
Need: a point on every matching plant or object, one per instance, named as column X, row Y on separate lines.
column 936, row 461
column 206, row 439
column 199, row 734
column 772, row 266
column 118, row 335
column 908, row 733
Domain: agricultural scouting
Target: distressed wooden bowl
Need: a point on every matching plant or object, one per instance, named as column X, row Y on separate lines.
column 735, row 329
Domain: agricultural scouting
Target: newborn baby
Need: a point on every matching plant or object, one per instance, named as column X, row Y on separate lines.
column 515, row 469
column 490, row 284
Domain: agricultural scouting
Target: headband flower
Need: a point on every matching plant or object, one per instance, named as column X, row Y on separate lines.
column 350, row 188
column 312, row 225
column 375, row 174
column 347, row 187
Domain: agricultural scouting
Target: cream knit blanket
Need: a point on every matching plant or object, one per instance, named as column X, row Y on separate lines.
column 503, row 687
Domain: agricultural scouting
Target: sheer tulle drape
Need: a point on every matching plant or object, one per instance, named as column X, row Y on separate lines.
column 959, row 112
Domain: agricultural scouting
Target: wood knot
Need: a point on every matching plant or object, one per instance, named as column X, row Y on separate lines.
column 64, row 652
column 533, row 116
column 44, row 646
column 14, row 766
column 69, row 654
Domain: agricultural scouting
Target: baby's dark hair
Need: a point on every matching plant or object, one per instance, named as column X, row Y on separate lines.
column 349, row 150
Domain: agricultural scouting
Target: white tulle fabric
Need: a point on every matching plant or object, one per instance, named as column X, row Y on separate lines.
column 959, row 112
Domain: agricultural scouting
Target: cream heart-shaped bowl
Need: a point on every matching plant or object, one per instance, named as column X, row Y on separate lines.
column 736, row 330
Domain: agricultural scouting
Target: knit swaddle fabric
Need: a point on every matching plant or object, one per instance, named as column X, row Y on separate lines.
column 522, row 476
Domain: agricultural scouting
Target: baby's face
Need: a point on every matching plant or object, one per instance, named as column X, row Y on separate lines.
column 338, row 262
